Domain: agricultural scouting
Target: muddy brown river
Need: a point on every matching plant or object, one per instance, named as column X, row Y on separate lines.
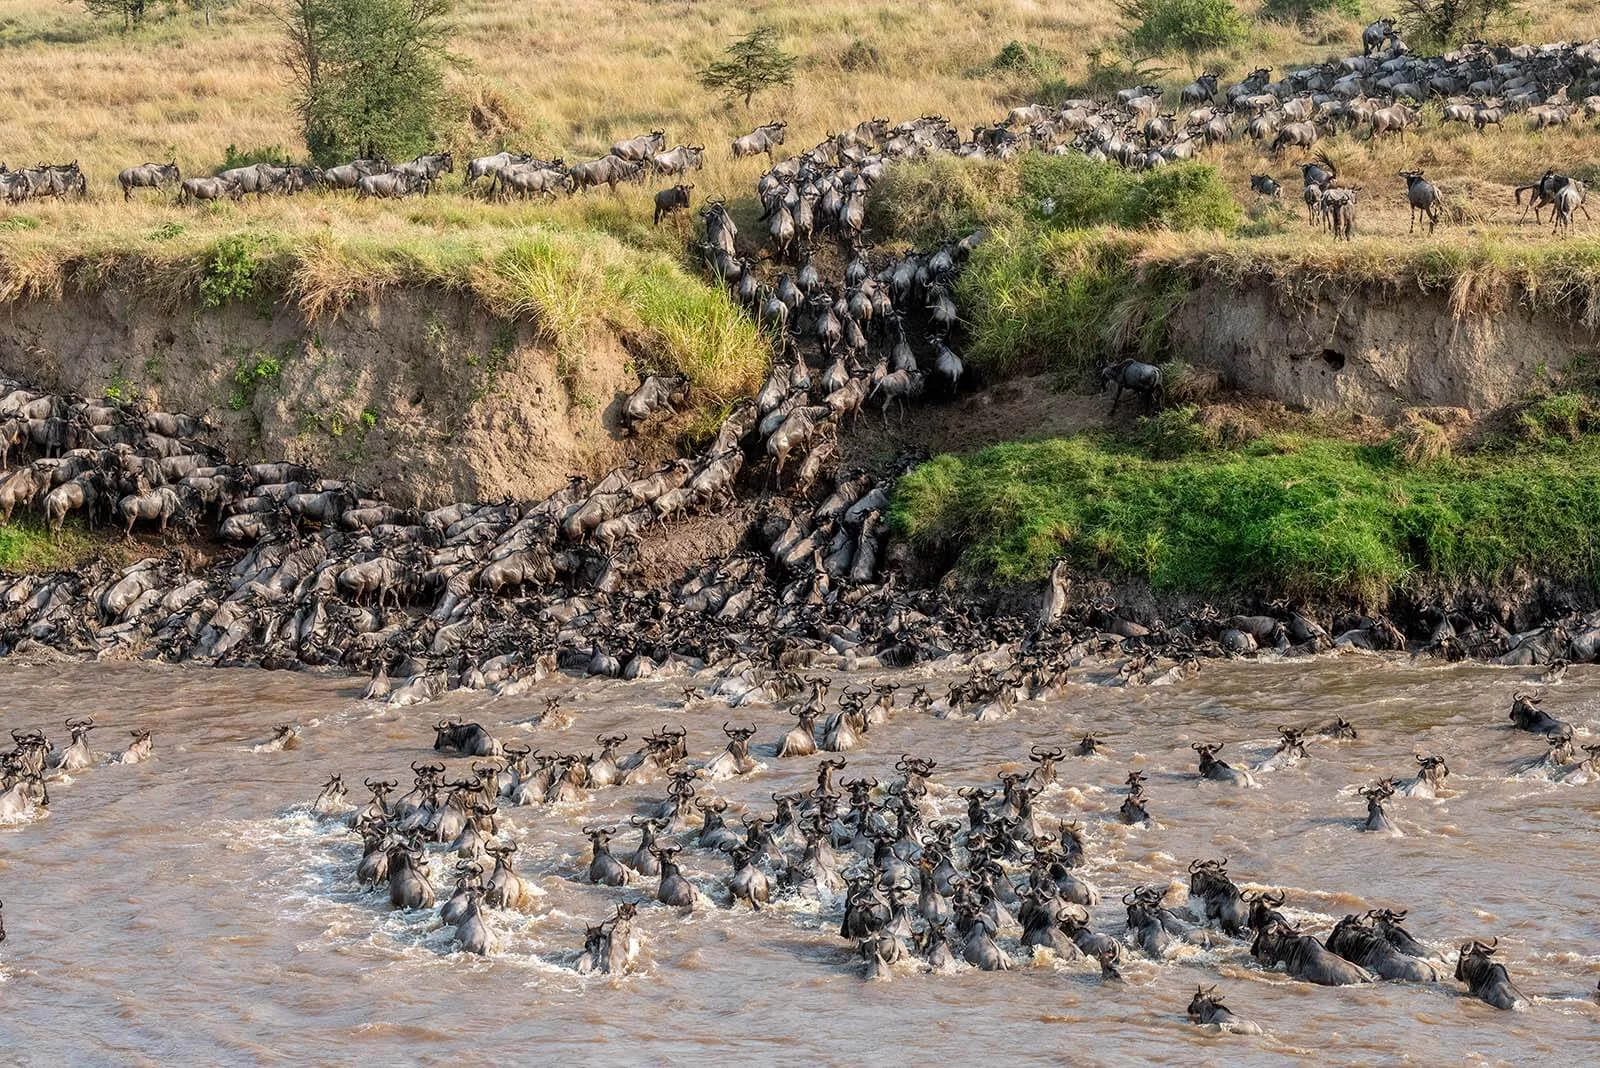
column 190, row 910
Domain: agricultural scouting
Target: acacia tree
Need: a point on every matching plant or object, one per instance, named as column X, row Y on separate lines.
column 368, row 75
column 752, row 63
column 1445, row 24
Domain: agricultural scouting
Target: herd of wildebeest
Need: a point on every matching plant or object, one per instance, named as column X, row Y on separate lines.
column 303, row 571
column 1380, row 92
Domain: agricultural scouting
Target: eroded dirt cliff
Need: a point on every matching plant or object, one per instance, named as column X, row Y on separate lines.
column 1371, row 351
column 418, row 393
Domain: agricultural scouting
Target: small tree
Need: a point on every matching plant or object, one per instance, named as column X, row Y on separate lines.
column 130, row 12
column 753, row 63
column 1442, row 24
column 1187, row 26
column 368, row 75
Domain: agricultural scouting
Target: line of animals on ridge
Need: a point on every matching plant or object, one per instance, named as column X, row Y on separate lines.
column 916, row 886
column 1377, row 90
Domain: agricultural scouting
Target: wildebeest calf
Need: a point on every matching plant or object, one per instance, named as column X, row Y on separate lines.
column 671, row 200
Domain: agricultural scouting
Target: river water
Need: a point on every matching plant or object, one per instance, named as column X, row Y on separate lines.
column 189, row 910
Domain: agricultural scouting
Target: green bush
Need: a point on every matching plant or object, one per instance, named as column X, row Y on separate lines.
column 1017, row 57
column 1302, row 10
column 249, row 157
column 230, row 270
column 250, row 375
column 1074, row 191
column 1565, row 416
column 1185, row 196
column 939, row 199
column 1042, row 298
column 1187, row 26
column 1175, row 432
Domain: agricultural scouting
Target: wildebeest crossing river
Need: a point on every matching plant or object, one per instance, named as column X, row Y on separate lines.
column 192, row 909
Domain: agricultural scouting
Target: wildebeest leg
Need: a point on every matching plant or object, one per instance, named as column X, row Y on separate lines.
column 1116, row 400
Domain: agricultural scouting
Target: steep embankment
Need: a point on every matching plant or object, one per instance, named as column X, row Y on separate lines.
column 498, row 372
column 1472, row 326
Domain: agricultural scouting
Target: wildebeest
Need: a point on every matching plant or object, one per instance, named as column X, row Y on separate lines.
column 1485, row 978
column 1304, row 958
column 1339, row 210
column 1423, row 199
column 1209, row 883
column 1358, row 942
column 1266, row 186
column 208, row 189
column 147, row 176
column 1296, row 134
column 1528, row 716
column 1220, row 770
column 489, row 166
column 678, row 159
column 468, row 739
column 1200, row 91
column 654, row 393
column 1395, row 117
column 524, row 179
column 761, row 139
column 348, row 175
column 1206, row 1008
column 671, row 200
column 1374, row 36
column 607, row 171
column 391, row 185
column 1569, row 199
column 638, row 149
column 159, row 504
column 1142, row 378
column 260, row 178
column 425, row 170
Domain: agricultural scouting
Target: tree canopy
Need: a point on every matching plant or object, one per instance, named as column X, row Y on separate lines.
column 752, row 63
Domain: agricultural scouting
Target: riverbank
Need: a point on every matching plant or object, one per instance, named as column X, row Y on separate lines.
column 431, row 369
column 1202, row 502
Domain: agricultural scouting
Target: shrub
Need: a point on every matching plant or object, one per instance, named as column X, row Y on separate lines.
column 1019, row 58
column 1442, row 24
column 230, row 271
column 1303, row 10
column 1187, row 26
column 1565, row 416
column 1185, row 196
column 237, row 157
column 1074, row 191
column 1175, row 432
column 1043, row 298
column 249, row 376
column 938, row 199
column 860, row 56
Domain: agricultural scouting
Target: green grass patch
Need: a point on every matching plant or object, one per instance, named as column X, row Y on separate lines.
column 1305, row 518
column 27, row 547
